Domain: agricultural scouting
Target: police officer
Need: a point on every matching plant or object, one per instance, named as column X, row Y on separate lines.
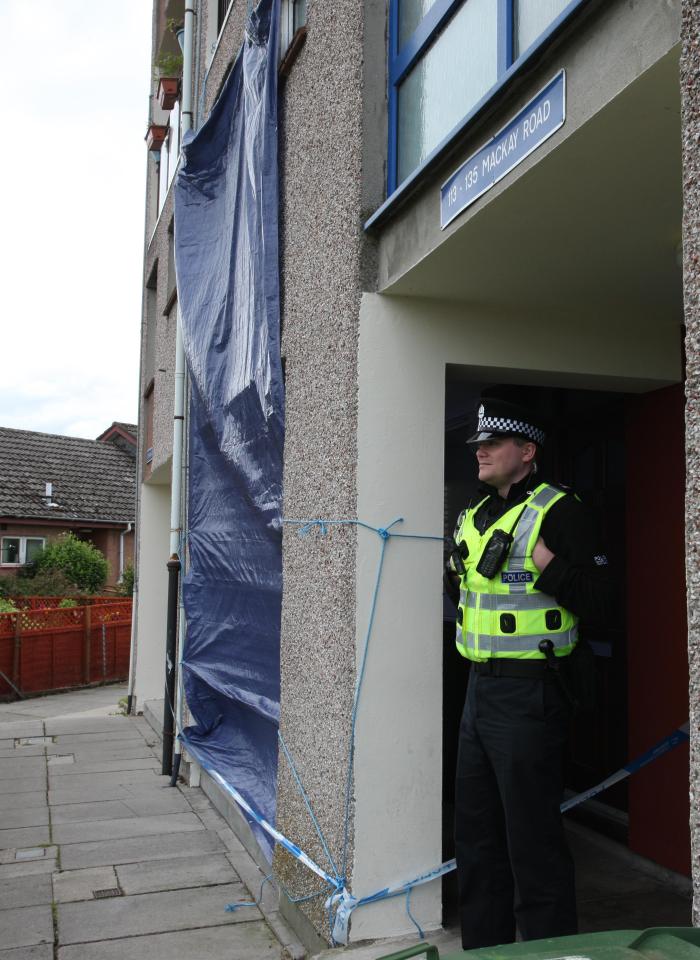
column 527, row 566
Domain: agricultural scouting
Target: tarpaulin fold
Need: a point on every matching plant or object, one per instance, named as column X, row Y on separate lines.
column 226, row 257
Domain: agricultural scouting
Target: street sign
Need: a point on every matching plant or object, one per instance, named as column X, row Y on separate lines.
column 528, row 130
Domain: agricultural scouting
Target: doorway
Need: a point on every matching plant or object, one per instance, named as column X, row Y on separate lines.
column 600, row 445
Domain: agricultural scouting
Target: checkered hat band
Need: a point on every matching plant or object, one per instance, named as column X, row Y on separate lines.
column 507, row 425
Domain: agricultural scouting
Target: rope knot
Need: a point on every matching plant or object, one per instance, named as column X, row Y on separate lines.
column 383, row 533
column 308, row 527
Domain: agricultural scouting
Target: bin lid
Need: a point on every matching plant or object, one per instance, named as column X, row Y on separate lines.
column 656, row 943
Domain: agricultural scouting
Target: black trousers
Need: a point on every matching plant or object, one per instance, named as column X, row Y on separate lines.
column 513, row 862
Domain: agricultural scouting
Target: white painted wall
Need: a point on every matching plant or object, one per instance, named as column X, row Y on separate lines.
column 154, row 531
column 405, row 345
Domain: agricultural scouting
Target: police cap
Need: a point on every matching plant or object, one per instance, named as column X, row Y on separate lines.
column 499, row 418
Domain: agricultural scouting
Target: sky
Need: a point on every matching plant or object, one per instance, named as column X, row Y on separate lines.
column 75, row 79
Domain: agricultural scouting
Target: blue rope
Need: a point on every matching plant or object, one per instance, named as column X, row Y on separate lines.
column 384, row 533
column 410, row 915
column 236, row 905
column 232, row 907
column 308, row 804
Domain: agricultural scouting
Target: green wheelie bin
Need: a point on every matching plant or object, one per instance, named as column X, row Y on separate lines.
column 656, row 943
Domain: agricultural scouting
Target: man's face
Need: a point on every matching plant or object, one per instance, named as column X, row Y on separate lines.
column 503, row 461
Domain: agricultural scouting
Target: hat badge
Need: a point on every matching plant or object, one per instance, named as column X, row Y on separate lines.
column 480, row 413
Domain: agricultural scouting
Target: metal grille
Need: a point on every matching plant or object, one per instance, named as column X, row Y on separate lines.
column 107, row 892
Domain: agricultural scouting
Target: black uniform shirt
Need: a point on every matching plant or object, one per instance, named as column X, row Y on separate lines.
column 579, row 576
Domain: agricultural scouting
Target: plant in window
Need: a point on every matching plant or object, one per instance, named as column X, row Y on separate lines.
column 168, row 65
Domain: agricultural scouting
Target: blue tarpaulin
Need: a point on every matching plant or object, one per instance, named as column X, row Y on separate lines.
column 226, row 255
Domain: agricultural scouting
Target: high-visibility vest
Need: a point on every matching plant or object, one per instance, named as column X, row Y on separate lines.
column 506, row 616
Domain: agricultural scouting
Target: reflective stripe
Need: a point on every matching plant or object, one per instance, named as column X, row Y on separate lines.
column 545, row 497
column 518, row 552
column 463, row 598
column 508, row 644
column 503, row 601
column 523, row 531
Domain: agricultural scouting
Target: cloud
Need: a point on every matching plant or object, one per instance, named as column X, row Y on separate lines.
column 76, row 78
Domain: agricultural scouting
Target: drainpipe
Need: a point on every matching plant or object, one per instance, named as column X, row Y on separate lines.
column 174, row 565
column 124, row 533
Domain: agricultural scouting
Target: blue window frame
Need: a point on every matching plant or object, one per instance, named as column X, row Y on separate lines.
column 467, row 48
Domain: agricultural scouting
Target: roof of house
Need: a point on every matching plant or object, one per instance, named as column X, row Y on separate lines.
column 130, row 429
column 124, row 435
column 91, row 480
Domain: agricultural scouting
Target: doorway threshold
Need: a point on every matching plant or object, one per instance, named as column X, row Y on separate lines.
column 618, row 889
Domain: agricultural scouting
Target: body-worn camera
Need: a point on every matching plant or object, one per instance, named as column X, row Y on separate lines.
column 458, row 555
column 495, row 553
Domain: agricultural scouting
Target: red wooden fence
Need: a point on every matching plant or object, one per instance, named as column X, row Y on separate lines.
column 37, row 603
column 52, row 649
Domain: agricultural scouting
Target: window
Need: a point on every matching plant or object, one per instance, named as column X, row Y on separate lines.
column 446, row 58
column 292, row 18
column 169, row 155
column 17, row 551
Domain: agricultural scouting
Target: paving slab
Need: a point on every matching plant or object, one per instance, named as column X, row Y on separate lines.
column 91, row 789
column 43, row 951
column 27, row 854
column 72, row 885
column 19, row 727
column 24, row 785
column 10, row 801
column 97, row 753
column 175, row 873
column 6, row 744
column 83, row 724
column 169, row 801
column 14, row 753
column 122, row 734
column 24, row 837
column 25, row 926
column 24, row 816
column 27, row 868
column 103, row 766
column 94, row 786
column 151, row 913
column 22, row 766
column 28, row 891
column 250, row 941
column 87, row 830
column 99, row 853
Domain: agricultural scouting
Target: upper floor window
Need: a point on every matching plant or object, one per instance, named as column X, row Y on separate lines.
column 292, row 18
column 445, row 59
column 169, row 155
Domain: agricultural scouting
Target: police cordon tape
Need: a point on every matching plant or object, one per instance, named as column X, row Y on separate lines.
column 341, row 899
column 345, row 903
column 658, row 750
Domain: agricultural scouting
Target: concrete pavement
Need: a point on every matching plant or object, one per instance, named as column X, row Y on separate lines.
column 101, row 859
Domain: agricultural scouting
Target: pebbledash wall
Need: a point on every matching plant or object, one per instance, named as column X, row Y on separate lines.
column 690, row 101
column 366, row 341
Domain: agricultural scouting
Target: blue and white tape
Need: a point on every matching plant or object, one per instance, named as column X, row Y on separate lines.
column 344, row 903
column 658, row 750
column 340, row 899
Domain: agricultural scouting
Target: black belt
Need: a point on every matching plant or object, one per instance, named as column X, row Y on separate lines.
column 500, row 667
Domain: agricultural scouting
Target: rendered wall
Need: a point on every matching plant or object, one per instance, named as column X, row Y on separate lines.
column 322, row 249
column 154, row 531
column 690, row 94
column 405, row 345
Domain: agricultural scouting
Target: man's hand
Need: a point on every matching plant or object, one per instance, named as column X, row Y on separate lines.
column 541, row 555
